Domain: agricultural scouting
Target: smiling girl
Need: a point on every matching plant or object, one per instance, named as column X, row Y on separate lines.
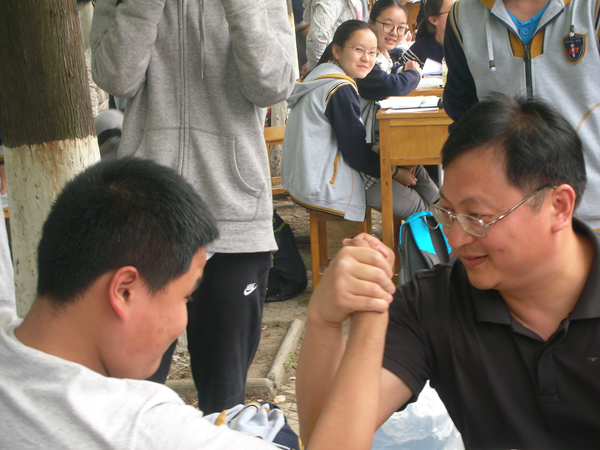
column 390, row 76
column 325, row 157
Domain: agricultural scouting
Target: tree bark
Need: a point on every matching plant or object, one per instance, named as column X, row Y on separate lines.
column 46, row 117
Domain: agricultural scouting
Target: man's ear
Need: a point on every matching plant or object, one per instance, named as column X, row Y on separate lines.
column 563, row 205
column 122, row 286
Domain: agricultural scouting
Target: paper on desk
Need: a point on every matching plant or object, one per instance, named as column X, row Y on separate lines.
column 430, row 82
column 417, row 102
column 410, row 110
column 432, row 67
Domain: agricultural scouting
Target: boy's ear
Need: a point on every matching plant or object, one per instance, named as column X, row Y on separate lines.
column 123, row 285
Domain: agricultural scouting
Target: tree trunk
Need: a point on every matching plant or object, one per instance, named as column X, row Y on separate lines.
column 46, row 118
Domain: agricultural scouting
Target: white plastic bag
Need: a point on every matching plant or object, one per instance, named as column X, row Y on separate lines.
column 423, row 425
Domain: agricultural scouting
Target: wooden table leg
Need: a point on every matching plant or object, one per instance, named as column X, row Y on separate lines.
column 387, row 210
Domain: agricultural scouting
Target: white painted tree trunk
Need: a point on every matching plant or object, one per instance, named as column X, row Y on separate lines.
column 35, row 176
column 47, row 123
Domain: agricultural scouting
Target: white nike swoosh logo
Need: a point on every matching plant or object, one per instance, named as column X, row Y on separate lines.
column 250, row 289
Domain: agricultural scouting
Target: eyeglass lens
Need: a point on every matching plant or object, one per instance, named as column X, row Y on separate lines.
column 389, row 28
column 469, row 224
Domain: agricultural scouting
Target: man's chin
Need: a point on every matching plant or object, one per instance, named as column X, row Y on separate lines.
column 479, row 281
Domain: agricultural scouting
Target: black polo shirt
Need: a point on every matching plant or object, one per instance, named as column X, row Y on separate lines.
column 504, row 387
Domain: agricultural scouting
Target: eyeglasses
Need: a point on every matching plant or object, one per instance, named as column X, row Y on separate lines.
column 389, row 28
column 362, row 52
column 472, row 225
column 443, row 12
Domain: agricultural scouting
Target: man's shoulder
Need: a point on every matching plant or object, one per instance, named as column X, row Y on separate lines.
column 441, row 276
column 437, row 287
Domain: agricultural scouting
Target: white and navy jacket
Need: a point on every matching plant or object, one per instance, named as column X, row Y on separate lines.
column 325, row 153
column 485, row 54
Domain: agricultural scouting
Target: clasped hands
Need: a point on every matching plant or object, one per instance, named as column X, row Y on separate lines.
column 358, row 279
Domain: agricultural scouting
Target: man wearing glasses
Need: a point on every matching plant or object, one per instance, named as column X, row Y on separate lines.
column 508, row 332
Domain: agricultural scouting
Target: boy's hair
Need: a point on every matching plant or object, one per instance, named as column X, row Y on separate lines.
column 126, row 212
column 538, row 145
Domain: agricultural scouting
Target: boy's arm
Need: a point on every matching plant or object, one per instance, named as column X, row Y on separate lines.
column 358, row 279
column 348, row 419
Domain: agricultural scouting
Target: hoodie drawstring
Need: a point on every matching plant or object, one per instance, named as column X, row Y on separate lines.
column 202, row 39
column 490, row 43
column 572, row 31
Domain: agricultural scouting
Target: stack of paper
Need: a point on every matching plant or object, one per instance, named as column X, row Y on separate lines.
column 430, row 82
column 432, row 67
column 429, row 103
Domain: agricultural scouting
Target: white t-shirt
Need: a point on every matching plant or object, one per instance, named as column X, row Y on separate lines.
column 47, row 402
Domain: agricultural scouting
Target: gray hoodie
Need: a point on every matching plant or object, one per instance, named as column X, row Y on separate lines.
column 197, row 76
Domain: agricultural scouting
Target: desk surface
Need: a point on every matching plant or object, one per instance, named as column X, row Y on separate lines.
column 436, row 91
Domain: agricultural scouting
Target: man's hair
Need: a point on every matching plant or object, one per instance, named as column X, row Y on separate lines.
column 126, row 212
column 538, row 146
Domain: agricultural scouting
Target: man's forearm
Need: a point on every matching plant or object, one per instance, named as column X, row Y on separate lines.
column 348, row 419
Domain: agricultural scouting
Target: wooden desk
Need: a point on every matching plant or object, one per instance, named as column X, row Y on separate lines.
column 413, row 12
column 274, row 136
column 406, row 138
column 426, row 92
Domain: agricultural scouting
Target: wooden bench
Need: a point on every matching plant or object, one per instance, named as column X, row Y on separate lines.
column 318, row 239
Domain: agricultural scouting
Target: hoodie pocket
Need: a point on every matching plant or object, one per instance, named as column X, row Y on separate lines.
column 212, row 166
column 209, row 163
